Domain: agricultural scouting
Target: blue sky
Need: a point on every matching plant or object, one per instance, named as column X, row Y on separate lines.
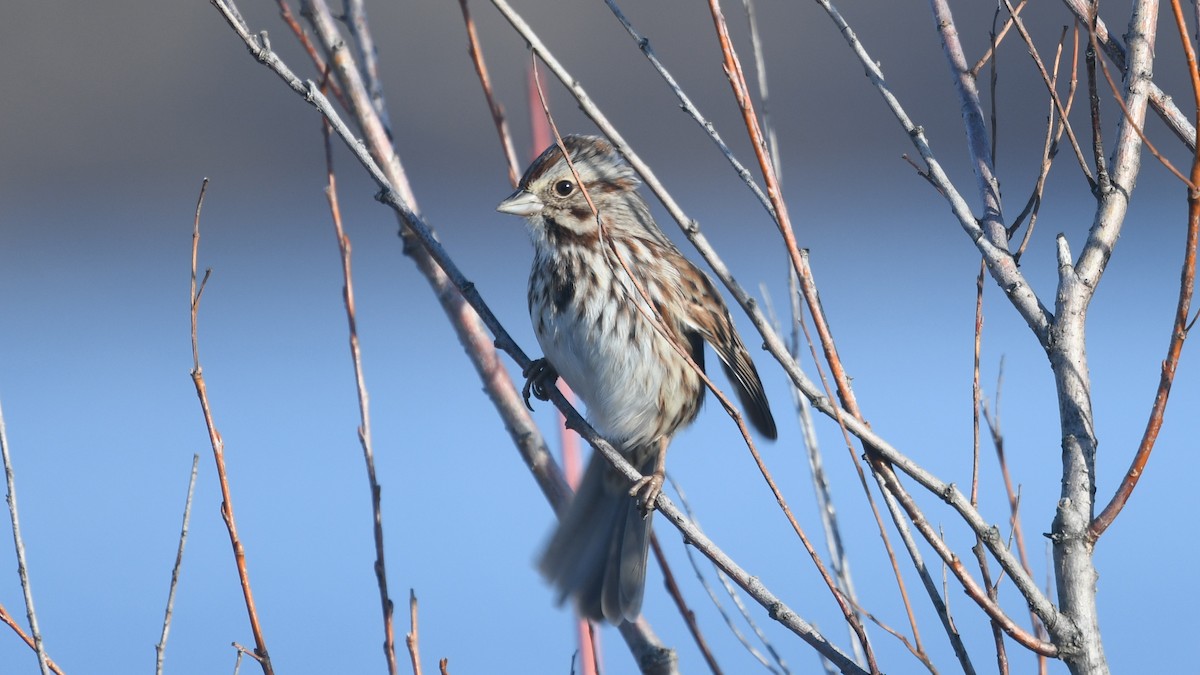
column 120, row 112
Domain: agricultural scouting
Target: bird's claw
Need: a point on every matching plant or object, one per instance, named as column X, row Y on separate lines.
column 539, row 378
column 646, row 490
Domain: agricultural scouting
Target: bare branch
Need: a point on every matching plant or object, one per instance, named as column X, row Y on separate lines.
column 1049, row 81
column 494, row 106
column 689, row 617
column 19, row 544
column 161, row 648
column 364, row 408
column 218, row 448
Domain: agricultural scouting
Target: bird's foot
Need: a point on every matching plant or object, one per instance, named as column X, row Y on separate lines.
column 539, row 378
column 646, row 490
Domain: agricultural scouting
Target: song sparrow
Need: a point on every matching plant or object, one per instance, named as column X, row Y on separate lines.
column 637, row 388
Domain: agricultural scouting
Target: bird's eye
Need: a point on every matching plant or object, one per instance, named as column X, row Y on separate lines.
column 564, row 188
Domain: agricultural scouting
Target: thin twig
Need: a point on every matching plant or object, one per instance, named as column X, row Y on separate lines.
column 1048, row 80
column 161, row 648
column 9, row 621
column 997, row 38
column 19, row 544
column 1103, row 183
column 242, row 649
column 1054, row 130
column 920, row 655
column 364, row 409
column 976, row 401
column 689, row 617
column 218, row 447
column 494, row 106
column 412, row 639
column 1014, row 499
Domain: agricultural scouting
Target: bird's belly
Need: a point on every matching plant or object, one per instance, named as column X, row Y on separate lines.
column 636, row 387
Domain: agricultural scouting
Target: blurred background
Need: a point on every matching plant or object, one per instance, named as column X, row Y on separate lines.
column 113, row 114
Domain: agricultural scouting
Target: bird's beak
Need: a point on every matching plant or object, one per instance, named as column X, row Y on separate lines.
column 521, row 203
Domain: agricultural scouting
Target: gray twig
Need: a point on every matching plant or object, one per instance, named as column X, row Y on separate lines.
column 19, row 544
column 161, row 648
column 364, row 409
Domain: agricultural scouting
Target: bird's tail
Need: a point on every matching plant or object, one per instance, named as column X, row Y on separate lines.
column 598, row 553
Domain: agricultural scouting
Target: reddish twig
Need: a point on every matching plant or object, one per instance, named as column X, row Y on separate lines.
column 1179, row 329
column 242, row 649
column 8, row 620
column 1137, row 127
column 494, row 106
column 364, row 410
column 689, row 617
column 997, row 38
column 218, row 447
column 741, row 93
column 285, row 12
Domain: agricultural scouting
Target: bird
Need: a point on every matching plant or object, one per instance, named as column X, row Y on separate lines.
column 611, row 300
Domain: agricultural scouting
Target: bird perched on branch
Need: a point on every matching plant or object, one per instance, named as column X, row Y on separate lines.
column 614, row 304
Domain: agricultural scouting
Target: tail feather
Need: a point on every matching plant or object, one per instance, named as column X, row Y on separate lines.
column 598, row 553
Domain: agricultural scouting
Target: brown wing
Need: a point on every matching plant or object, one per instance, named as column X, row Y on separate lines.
column 710, row 318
